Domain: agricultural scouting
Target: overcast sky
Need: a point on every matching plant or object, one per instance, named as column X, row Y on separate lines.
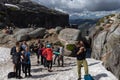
column 80, row 6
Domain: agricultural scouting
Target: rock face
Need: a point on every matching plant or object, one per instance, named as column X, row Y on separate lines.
column 106, row 46
column 69, row 35
column 32, row 13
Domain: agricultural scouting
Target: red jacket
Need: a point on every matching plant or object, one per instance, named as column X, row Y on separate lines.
column 48, row 53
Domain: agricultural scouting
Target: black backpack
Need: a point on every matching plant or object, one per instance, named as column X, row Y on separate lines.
column 16, row 58
column 11, row 75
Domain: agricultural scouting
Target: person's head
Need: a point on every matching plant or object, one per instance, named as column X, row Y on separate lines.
column 27, row 49
column 81, row 43
column 48, row 46
column 24, row 42
column 17, row 44
column 39, row 41
column 77, row 44
column 17, row 49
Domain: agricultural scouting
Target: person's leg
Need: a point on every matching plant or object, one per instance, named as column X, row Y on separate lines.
column 85, row 65
column 29, row 69
column 23, row 67
column 14, row 67
column 58, row 59
column 42, row 60
column 79, row 63
column 16, row 70
column 50, row 64
column 19, row 70
column 25, row 70
column 37, row 58
column 55, row 58
column 62, row 59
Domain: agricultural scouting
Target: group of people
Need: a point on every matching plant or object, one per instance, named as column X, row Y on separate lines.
column 21, row 53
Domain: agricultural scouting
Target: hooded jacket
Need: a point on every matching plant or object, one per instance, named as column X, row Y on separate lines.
column 48, row 53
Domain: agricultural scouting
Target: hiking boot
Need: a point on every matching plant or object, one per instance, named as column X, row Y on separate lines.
column 30, row 75
column 20, row 77
column 79, row 78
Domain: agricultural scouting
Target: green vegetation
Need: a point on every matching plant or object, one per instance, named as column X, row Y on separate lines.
column 100, row 21
column 58, row 43
column 101, row 28
column 70, row 47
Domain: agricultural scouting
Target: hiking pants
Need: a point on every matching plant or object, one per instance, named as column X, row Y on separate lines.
column 44, row 62
column 79, row 65
column 18, row 69
column 49, row 64
column 27, row 69
column 61, row 59
column 56, row 57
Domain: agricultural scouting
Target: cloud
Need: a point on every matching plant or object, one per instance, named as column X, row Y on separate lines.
column 75, row 5
column 80, row 6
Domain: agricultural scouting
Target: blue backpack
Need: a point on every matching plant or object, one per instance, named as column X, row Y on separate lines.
column 88, row 77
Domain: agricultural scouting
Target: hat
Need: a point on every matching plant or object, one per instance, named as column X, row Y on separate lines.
column 48, row 46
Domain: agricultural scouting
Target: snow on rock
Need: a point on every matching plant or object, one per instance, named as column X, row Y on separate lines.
column 4, row 55
column 4, row 58
column 68, row 72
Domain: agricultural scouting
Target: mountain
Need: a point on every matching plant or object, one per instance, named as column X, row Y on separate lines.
column 26, row 12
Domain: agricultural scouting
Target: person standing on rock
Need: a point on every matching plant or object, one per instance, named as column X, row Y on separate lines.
column 27, row 62
column 13, row 51
column 80, row 54
column 61, row 56
column 17, row 61
column 48, row 52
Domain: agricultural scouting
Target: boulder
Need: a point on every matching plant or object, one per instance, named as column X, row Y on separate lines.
column 58, row 29
column 40, row 32
column 69, row 35
column 22, row 37
column 23, row 31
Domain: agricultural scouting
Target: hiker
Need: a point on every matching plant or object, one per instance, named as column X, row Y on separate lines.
column 35, row 50
column 17, row 62
column 23, row 45
column 80, row 54
column 13, row 51
column 27, row 62
column 41, row 49
column 48, row 52
column 61, row 56
column 56, row 53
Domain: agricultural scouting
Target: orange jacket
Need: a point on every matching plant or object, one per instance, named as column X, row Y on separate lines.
column 48, row 53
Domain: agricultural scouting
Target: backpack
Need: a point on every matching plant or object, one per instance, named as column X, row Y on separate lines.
column 16, row 58
column 88, row 77
column 13, row 50
column 11, row 75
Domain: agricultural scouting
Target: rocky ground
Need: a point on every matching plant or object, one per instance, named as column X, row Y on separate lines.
column 68, row 72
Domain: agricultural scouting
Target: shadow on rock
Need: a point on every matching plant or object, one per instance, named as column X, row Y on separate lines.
column 97, row 77
column 93, row 63
column 42, row 75
column 36, row 70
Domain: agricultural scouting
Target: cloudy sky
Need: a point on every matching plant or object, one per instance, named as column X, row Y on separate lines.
column 83, row 8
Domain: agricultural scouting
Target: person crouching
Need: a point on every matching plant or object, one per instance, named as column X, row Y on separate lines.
column 49, row 56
